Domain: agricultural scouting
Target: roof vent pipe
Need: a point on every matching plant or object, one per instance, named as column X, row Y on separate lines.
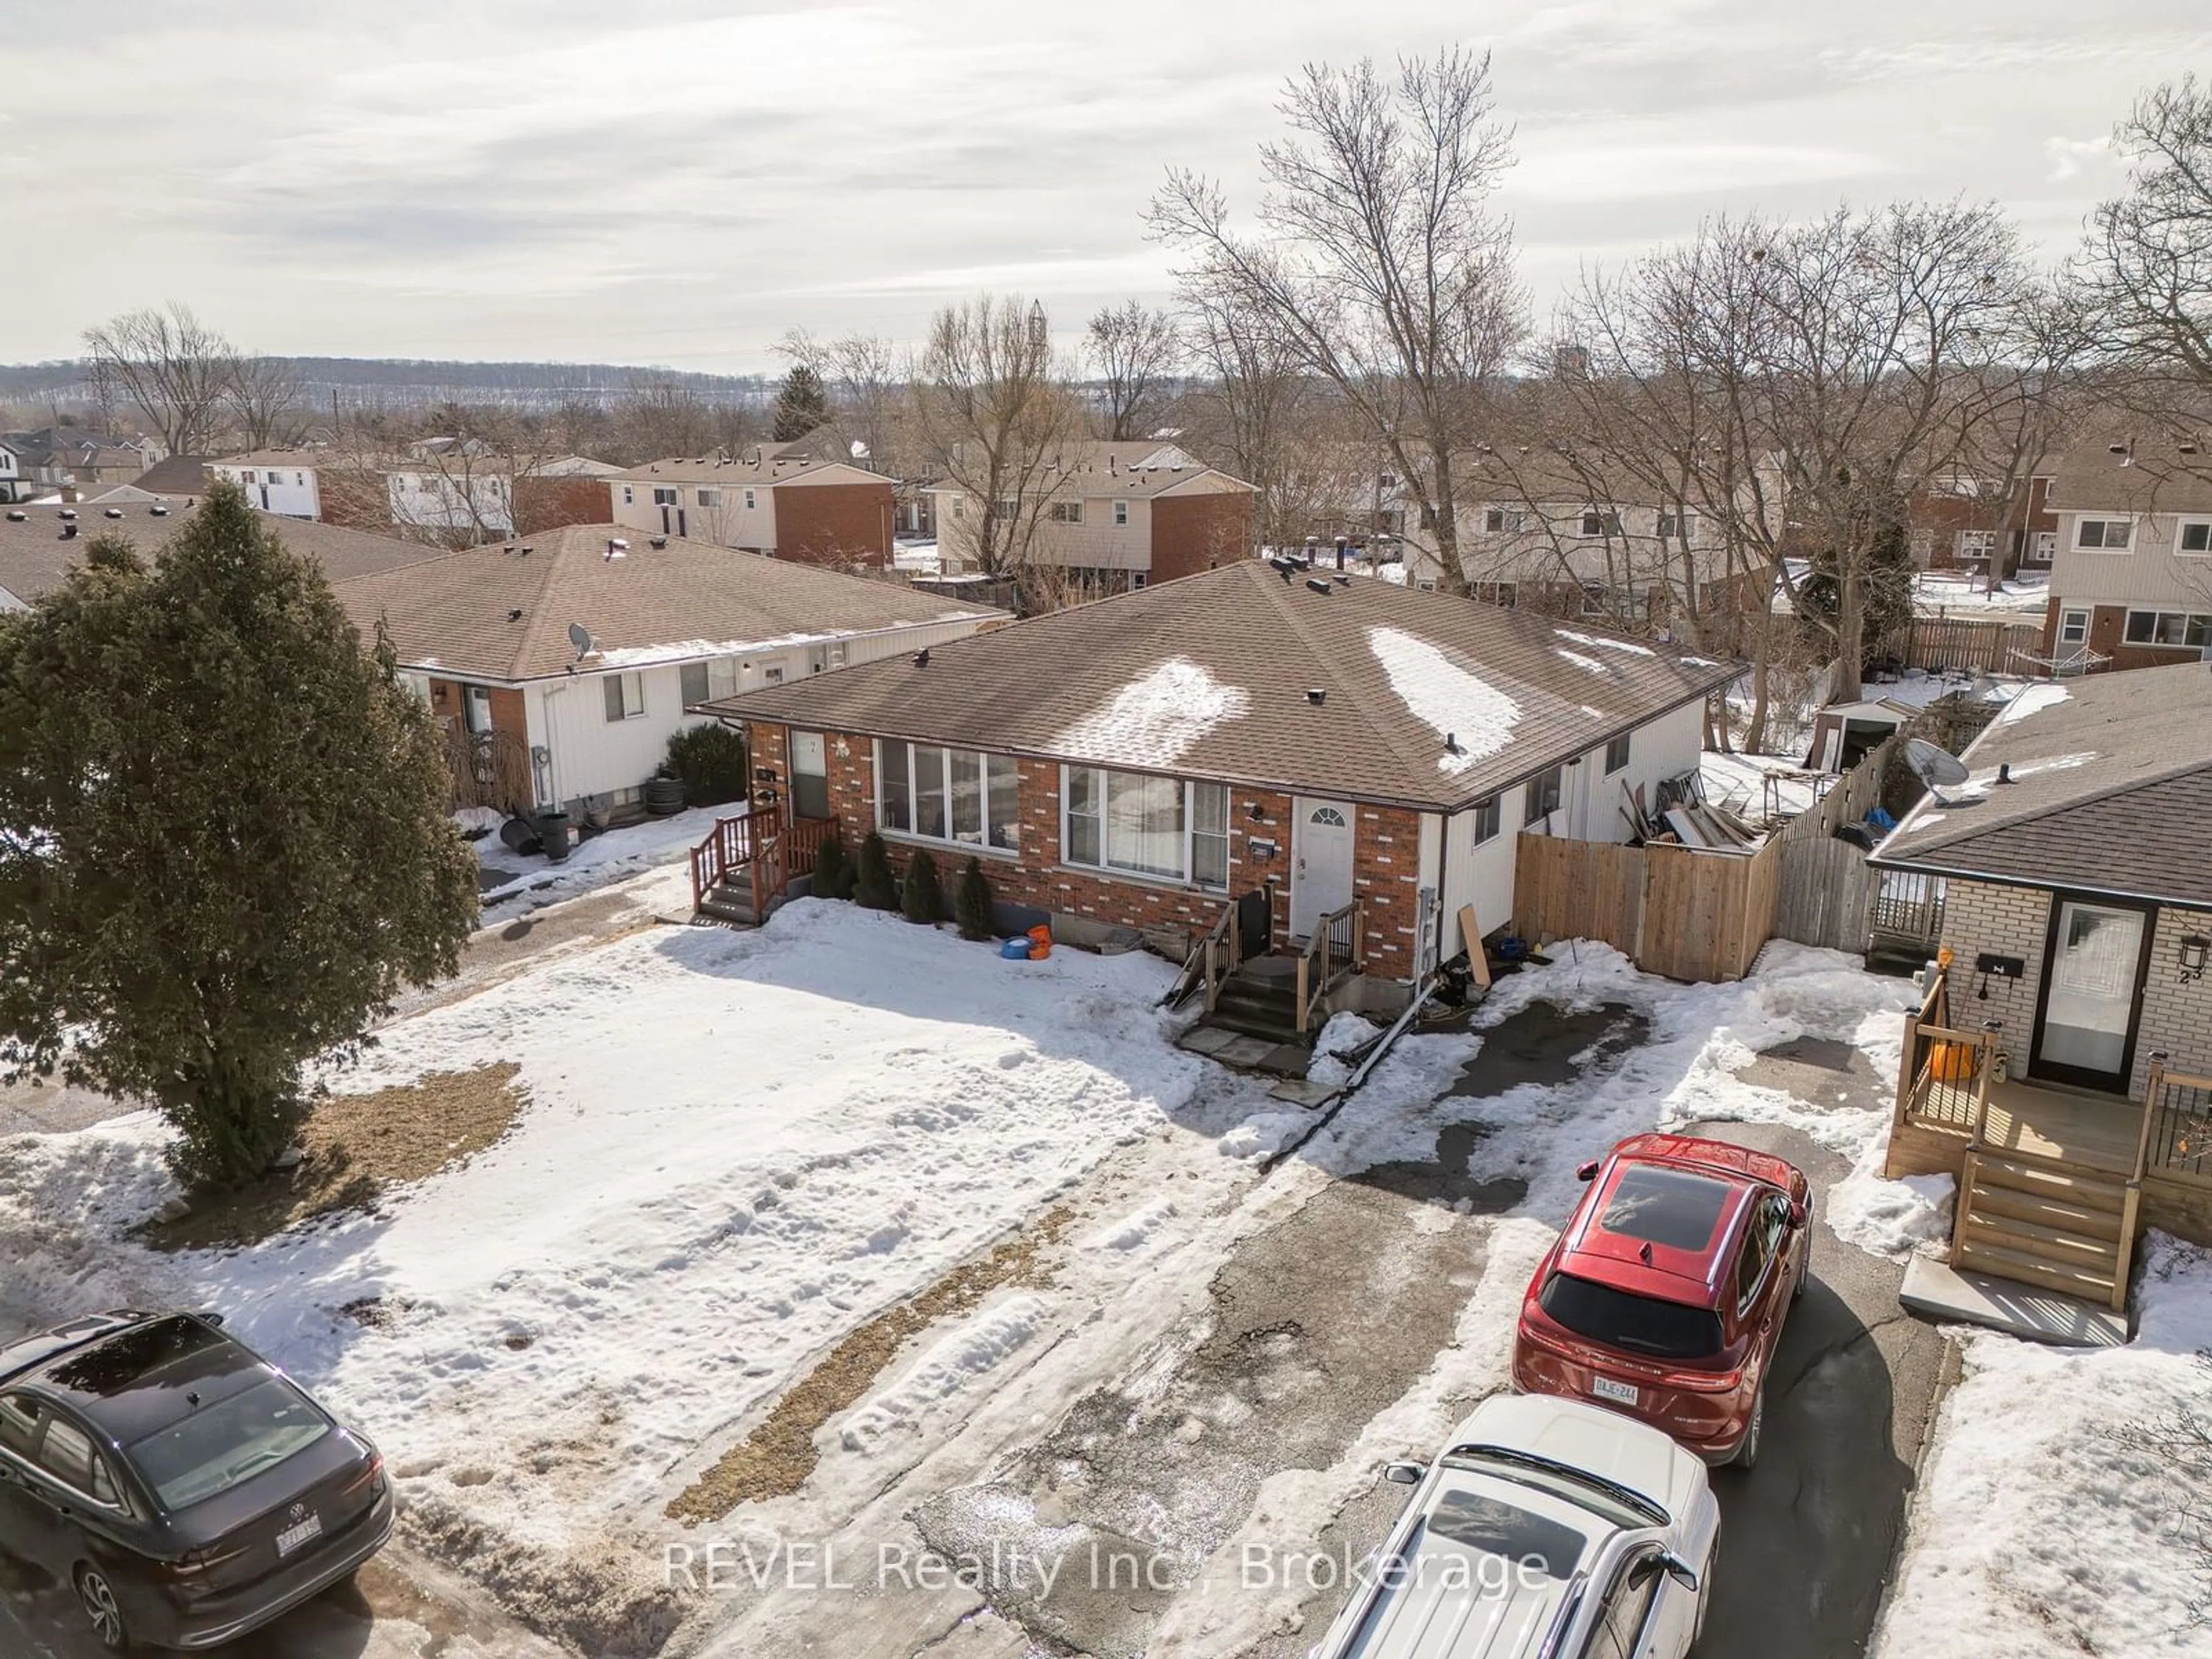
column 1451, row 743
column 1316, row 695
column 1320, row 584
column 2004, row 772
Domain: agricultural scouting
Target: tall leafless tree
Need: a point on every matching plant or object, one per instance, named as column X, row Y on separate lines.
column 867, row 385
column 2146, row 274
column 1378, row 263
column 994, row 412
column 172, row 365
column 263, row 395
column 1135, row 353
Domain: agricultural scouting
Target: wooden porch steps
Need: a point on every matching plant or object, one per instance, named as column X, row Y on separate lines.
column 2061, row 1229
column 730, row 902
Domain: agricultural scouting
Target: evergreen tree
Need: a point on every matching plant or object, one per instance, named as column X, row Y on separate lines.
column 873, row 887
column 832, row 871
column 921, row 897
column 971, row 905
column 224, row 846
column 801, row 404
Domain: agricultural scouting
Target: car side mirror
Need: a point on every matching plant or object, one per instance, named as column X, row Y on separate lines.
column 1797, row 1213
column 1679, row 1570
column 1586, row 1171
column 1403, row 1474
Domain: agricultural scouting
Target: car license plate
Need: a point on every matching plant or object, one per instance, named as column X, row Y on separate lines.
column 293, row 1536
column 1625, row 1394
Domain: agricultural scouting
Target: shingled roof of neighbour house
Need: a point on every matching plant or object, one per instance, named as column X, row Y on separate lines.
column 757, row 467
column 2152, row 476
column 176, row 475
column 1424, row 699
column 502, row 611
column 2110, row 791
column 36, row 552
column 1098, row 467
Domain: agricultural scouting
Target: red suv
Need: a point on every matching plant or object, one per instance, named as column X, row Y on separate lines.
column 1665, row 1296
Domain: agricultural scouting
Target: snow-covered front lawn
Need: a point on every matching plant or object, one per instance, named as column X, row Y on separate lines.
column 737, row 1147
column 521, row 884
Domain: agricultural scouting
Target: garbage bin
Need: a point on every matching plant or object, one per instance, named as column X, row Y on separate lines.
column 553, row 836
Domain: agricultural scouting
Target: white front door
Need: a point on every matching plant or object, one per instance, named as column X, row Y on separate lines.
column 2094, row 958
column 1320, row 861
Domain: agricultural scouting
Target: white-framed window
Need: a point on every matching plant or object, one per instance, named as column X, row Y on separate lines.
column 1121, row 514
column 245, row 477
column 1599, row 522
column 1541, row 797
column 957, row 795
column 1977, row 543
column 2175, row 627
column 2043, row 547
column 2073, row 628
column 663, row 497
column 773, row 674
column 1138, row 579
column 710, row 497
column 2193, row 536
column 2104, row 535
column 1006, row 508
column 1595, row 599
column 1065, row 511
column 708, row 678
column 1486, row 815
column 1138, row 824
column 1503, row 595
column 959, row 507
column 1682, row 526
column 629, row 494
column 1616, row 754
column 749, row 500
column 1502, row 520
column 625, row 696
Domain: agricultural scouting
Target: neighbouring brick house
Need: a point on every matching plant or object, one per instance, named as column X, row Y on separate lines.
column 805, row 503
column 2132, row 580
column 1965, row 522
column 1144, row 761
column 1113, row 515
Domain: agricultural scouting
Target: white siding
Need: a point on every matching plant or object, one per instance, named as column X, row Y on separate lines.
column 293, row 492
column 2151, row 568
column 1481, row 876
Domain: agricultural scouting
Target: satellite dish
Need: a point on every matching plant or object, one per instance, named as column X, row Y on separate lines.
column 1934, row 765
column 581, row 637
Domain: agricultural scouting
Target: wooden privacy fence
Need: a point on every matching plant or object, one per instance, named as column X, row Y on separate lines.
column 1972, row 642
column 1692, row 913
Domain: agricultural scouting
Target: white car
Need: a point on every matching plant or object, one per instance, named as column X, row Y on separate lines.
column 1549, row 1530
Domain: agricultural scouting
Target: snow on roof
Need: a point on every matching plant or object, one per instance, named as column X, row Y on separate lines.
column 648, row 656
column 1446, row 698
column 2032, row 700
column 1581, row 661
column 1155, row 720
column 1628, row 646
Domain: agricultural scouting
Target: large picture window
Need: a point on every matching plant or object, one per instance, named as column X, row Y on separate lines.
column 1146, row 826
column 957, row 795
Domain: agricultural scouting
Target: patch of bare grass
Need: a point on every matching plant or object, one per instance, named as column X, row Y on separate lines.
column 776, row 1458
column 356, row 1148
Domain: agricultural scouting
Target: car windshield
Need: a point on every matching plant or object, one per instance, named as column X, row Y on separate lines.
column 1617, row 1504
column 1671, row 1207
column 1644, row 1324
column 232, row 1441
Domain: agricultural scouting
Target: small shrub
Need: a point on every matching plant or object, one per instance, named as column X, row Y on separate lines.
column 833, row 870
column 711, row 759
column 921, row 897
column 971, row 905
column 872, row 886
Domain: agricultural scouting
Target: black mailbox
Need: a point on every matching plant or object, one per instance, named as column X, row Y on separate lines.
column 2001, row 967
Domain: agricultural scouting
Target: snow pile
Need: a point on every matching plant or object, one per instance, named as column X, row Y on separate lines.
column 1890, row 1218
column 1343, row 1032
column 739, row 1147
column 1155, row 720
column 2038, row 1531
column 1626, row 647
column 1134, row 1231
column 1446, row 698
column 2033, row 700
column 474, row 821
column 1263, row 1134
column 949, row 1366
column 537, row 881
column 1580, row 661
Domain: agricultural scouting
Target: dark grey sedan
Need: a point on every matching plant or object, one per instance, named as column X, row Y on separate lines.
column 186, row 1488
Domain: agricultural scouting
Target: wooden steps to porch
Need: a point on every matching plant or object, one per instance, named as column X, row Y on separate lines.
column 2063, row 1229
column 1261, row 1000
column 729, row 901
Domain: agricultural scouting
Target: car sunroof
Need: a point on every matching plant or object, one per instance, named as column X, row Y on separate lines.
column 1672, row 1208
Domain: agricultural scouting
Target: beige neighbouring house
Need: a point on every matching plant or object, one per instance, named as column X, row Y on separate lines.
column 805, row 503
column 2131, row 577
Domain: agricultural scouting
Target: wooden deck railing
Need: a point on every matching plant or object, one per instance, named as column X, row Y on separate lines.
column 2177, row 1125
column 1222, row 951
column 728, row 846
column 1331, row 955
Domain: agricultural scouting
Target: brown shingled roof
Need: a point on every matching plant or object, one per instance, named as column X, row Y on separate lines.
column 1210, row 676
column 665, row 602
column 2111, row 791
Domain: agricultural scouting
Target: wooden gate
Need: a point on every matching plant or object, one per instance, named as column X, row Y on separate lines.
column 1826, row 895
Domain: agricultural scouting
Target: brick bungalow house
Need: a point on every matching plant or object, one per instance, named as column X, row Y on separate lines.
column 2062, row 1064
column 1263, row 728
column 803, row 502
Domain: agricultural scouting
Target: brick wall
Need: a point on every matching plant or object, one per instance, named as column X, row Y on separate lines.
column 1386, row 857
column 2009, row 921
column 1191, row 533
column 544, row 504
column 836, row 524
column 2177, row 1015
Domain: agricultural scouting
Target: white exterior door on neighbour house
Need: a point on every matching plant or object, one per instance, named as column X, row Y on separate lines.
column 2088, row 1011
column 1320, row 861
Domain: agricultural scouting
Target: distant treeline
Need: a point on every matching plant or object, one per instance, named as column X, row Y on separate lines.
column 371, row 382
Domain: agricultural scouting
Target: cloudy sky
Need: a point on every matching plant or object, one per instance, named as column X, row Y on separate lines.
column 673, row 182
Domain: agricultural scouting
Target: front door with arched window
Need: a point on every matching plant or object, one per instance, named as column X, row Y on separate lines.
column 1321, row 862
